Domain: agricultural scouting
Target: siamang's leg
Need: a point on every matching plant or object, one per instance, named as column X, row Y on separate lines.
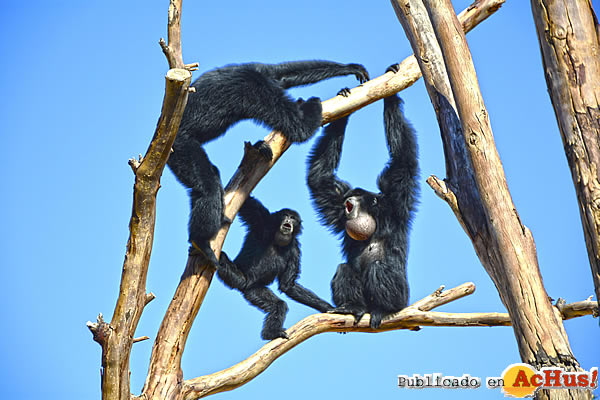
column 385, row 289
column 230, row 274
column 348, row 292
column 262, row 99
column 298, row 73
column 193, row 169
column 308, row 298
column 275, row 308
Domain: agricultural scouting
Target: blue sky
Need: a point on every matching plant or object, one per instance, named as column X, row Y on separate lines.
column 82, row 86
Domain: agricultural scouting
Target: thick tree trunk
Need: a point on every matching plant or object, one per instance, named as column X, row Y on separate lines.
column 476, row 187
column 570, row 44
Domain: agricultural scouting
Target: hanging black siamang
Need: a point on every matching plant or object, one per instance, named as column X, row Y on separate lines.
column 225, row 96
column 271, row 250
column 375, row 227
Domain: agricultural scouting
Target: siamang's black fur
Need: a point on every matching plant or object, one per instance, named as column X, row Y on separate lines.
column 271, row 250
column 373, row 279
column 225, row 96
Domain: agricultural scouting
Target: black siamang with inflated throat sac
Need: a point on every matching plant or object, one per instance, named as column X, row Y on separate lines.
column 271, row 250
column 375, row 227
column 222, row 98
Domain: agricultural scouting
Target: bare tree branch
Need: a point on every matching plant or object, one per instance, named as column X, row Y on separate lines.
column 173, row 50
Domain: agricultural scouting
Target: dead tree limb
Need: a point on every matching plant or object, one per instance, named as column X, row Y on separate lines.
column 570, row 44
column 476, row 187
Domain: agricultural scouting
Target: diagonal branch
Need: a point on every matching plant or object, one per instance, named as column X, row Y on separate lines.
column 412, row 318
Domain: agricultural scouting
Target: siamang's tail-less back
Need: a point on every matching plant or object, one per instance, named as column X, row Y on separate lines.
column 398, row 180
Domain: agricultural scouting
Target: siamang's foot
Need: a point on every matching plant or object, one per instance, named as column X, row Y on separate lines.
column 360, row 72
column 274, row 334
column 226, row 221
column 203, row 249
column 312, row 114
column 345, row 309
column 223, row 259
column 329, row 309
column 393, row 68
column 344, row 92
column 264, row 149
column 376, row 318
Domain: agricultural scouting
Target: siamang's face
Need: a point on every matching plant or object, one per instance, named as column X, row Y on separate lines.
column 290, row 225
column 360, row 207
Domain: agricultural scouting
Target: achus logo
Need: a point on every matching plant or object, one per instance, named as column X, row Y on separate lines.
column 522, row 380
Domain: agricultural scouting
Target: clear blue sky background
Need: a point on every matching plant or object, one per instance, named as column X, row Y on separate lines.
column 82, row 85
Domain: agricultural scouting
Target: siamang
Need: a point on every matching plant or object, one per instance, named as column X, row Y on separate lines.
column 270, row 250
column 225, row 96
column 375, row 243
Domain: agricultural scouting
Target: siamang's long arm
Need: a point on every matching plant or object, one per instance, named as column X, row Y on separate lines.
column 230, row 274
column 308, row 298
column 299, row 73
column 398, row 181
column 288, row 284
column 254, row 215
column 326, row 190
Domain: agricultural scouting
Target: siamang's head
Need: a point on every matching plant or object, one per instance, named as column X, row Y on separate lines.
column 288, row 225
column 361, row 209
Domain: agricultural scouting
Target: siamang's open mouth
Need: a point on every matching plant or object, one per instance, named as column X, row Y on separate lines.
column 287, row 226
column 349, row 207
